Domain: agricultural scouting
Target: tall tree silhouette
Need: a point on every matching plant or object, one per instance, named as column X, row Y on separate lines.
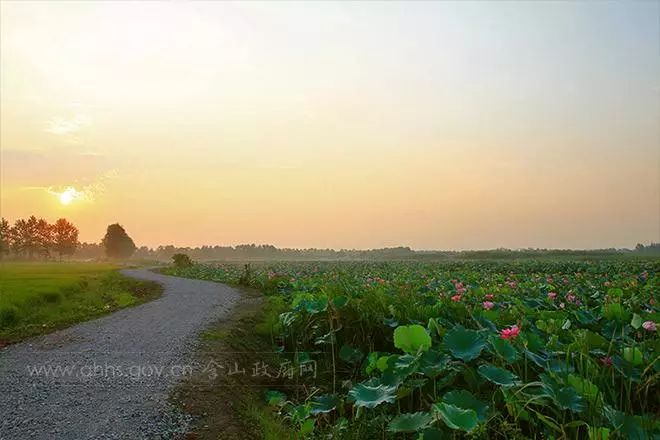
column 5, row 237
column 65, row 237
column 117, row 243
column 26, row 238
column 44, row 233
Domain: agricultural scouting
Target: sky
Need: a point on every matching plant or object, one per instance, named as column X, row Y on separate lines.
column 434, row 125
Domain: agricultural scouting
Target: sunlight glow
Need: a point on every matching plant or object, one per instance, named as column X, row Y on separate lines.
column 68, row 195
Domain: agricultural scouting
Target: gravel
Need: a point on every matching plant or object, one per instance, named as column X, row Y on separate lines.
column 114, row 372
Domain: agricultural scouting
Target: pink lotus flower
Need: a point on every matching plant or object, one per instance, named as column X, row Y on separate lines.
column 571, row 298
column 489, row 296
column 510, row 333
column 552, row 295
column 607, row 284
column 456, row 298
column 607, row 361
column 562, row 305
column 650, row 326
column 488, row 305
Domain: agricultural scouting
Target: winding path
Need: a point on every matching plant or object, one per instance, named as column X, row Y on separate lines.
column 109, row 378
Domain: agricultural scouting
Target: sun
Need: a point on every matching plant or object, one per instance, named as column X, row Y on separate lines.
column 68, row 195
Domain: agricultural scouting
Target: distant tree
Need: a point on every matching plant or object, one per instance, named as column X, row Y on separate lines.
column 182, row 260
column 44, row 233
column 25, row 236
column 65, row 237
column 90, row 251
column 5, row 237
column 117, row 243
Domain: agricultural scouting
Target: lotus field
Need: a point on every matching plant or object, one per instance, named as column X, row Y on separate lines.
column 517, row 349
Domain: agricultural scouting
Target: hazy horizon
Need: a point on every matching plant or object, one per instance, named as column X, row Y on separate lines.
column 433, row 125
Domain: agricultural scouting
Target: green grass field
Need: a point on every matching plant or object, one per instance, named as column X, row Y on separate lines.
column 37, row 298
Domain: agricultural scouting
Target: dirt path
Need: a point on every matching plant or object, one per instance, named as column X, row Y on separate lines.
column 110, row 377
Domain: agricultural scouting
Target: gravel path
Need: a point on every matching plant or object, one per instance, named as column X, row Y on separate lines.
column 109, row 378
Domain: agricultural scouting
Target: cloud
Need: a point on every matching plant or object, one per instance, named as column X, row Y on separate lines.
column 68, row 126
column 87, row 192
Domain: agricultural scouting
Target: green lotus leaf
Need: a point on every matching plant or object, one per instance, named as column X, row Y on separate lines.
column 412, row 338
column 275, row 398
column 457, row 418
column 350, row 354
column 324, row 403
column 568, row 398
column 465, row 400
column 434, row 326
column 615, row 312
column 299, row 413
column 504, row 348
column 564, row 397
column 340, row 302
column 636, row 322
column 584, row 387
column 589, row 340
column 382, row 363
column 633, row 355
column 626, row 369
column 370, row 396
column 463, row 343
column 498, row 375
column 405, row 362
column 628, row 426
column 558, row 366
column 318, row 305
column 433, row 363
column 411, row 422
column 598, row 433
column 307, row 427
column 371, row 362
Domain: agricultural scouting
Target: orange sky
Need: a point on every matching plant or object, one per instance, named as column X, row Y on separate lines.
column 347, row 125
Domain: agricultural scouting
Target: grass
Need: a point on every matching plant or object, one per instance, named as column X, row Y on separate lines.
column 37, row 298
column 232, row 407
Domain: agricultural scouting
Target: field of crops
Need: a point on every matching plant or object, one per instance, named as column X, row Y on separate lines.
column 41, row 297
column 529, row 349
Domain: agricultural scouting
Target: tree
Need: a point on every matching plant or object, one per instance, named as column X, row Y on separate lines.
column 44, row 235
column 117, row 243
column 182, row 260
column 65, row 237
column 26, row 239
column 5, row 237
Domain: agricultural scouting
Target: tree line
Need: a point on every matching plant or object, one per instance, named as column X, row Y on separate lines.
column 266, row 252
column 36, row 238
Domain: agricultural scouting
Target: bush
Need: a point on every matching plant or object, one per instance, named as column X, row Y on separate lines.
column 51, row 297
column 8, row 316
column 182, row 260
